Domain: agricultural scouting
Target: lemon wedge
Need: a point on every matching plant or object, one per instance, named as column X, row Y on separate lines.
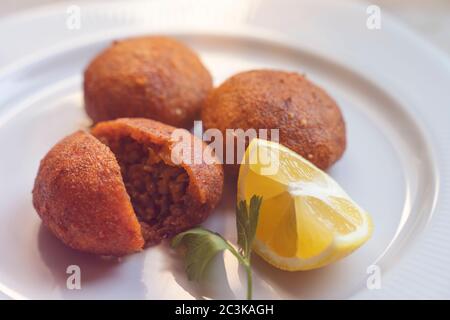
column 306, row 220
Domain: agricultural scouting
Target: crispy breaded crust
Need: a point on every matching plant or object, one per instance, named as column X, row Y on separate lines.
column 309, row 120
column 205, row 180
column 149, row 77
column 80, row 196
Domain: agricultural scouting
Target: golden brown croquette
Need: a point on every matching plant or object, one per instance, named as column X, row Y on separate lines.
column 150, row 77
column 309, row 120
column 111, row 192
column 80, row 196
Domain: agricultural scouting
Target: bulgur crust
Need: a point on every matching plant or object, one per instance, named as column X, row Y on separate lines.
column 202, row 191
column 80, row 196
column 150, row 77
column 309, row 120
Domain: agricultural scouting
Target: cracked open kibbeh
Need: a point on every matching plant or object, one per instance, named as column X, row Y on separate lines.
column 309, row 120
column 147, row 77
column 116, row 189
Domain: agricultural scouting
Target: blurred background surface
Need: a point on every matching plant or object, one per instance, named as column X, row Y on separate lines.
column 430, row 18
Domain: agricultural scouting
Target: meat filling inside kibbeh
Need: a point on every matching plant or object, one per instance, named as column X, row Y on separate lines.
column 157, row 189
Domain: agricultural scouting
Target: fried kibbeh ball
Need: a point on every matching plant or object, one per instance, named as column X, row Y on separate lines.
column 117, row 190
column 80, row 196
column 149, row 77
column 309, row 120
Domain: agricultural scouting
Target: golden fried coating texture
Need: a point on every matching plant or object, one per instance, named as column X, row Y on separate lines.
column 111, row 192
column 149, row 77
column 309, row 120
column 170, row 198
column 80, row 196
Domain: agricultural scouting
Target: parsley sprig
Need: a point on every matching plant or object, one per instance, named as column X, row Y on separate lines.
column 201, row 245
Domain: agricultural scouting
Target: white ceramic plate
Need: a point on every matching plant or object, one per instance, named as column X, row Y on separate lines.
column 391, row 86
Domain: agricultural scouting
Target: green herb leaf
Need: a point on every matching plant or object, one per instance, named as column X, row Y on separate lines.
column 201, row 246
column 242, row 227
column 246, row 223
